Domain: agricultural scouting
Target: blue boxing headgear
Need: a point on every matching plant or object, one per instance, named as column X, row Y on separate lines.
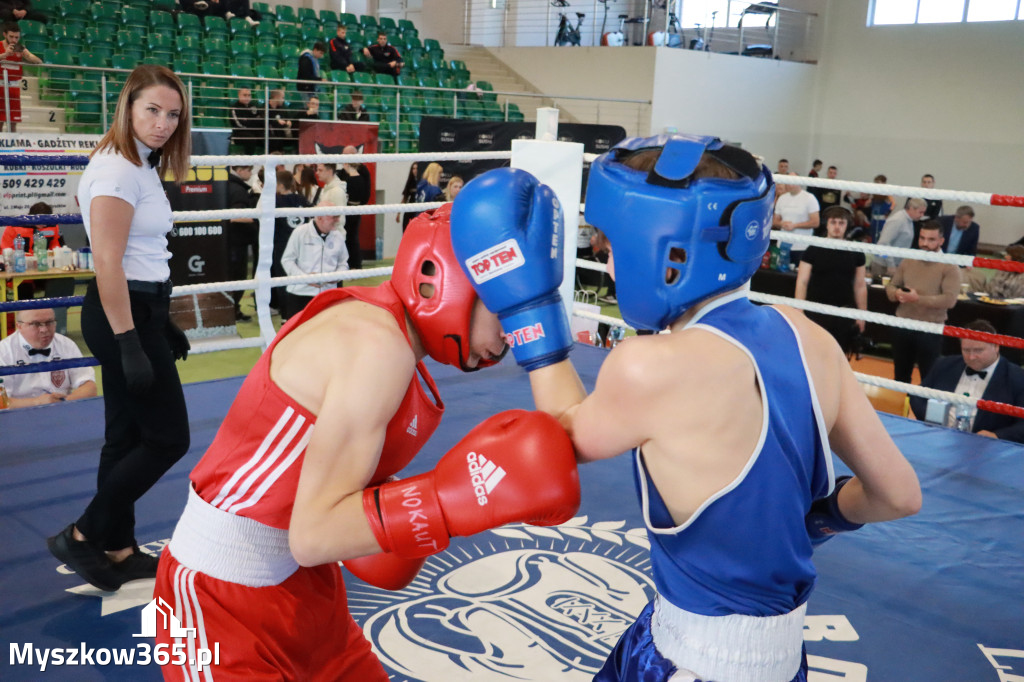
column 678, row 240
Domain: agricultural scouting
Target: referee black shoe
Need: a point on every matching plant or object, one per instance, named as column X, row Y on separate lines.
column 136, row 566
column 90, row 562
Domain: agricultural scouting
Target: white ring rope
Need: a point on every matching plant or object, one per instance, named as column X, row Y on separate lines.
column 874, row 249
column 369, row 209
column 895, row 190
column 338, row 159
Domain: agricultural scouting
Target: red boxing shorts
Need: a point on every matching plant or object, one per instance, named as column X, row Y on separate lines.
column 300, row 629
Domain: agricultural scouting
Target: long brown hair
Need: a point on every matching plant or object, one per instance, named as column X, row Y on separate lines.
column 121, row 137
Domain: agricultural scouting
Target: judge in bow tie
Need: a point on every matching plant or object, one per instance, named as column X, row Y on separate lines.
column 37, row 341
column 979, row 372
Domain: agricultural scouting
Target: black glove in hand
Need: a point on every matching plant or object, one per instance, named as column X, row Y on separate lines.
column 177, row 340
column 138, row 371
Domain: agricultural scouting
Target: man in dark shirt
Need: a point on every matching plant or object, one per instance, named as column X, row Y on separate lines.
column 341, row 52
column 827, row 198
column 241, row 233
column 354, row 110
column 16, row 10
column 385, row 57
column 358, row 184
column 309, row 69
column 280, row 123
column 246, row 123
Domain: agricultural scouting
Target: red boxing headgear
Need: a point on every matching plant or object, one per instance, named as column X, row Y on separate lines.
column 434, row 290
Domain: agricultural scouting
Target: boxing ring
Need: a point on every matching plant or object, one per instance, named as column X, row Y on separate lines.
column 938, row 596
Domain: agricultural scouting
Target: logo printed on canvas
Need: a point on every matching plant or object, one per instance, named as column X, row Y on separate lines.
column 495, row 261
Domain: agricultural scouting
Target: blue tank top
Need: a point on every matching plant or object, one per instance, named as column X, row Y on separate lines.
column 746, row 549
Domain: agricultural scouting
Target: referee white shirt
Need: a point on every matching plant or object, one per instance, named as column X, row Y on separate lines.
column 14, row 351
column 111, row 175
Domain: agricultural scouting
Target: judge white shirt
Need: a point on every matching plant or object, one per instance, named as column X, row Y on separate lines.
column 14, row 351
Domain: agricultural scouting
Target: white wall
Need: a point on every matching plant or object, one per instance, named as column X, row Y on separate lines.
column 945, row 99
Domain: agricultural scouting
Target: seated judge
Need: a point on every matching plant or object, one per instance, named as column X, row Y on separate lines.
column 979, row 372
column 36, row 340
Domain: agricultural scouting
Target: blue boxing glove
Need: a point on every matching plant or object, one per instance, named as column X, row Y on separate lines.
column 825, row 520
column 507, row 235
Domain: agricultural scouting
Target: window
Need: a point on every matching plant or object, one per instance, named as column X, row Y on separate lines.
column 888, row 12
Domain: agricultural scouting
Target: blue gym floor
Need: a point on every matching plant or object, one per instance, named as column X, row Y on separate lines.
column 936, row 597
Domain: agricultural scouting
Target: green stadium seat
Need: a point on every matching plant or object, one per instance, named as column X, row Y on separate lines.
column 215, row 48
column 161, row 21
column 68, row 37
column 216, row 27
column 264, row 9
column 329, row 16
column 289, row 33
column 368, row 21
column 239, row 26
column 188, row 64
column 488, row 90
column 349, row 19
column 339, row 77
column 408, row 146
column 287, row 54
column 241, row 46
column 49, row 7
column 162, row 43
column 383, row 79
column 102, row 51
column 32, row 29
column 189, row 44
column 265, row 29
column 405, row 25
column 56, row 79
column 311, row 33
column 81, row 9
column 123, row 61
column 106, row 14
column 134, row 52
column 286, row 14
column 363, row 77
column 267, row 71
column 135, row 17
column 432, row 46
column 95, row 34
column 304, row 14
column 160, row 60
column 458, row 65
column 404, row 79
column 412, row 43
column 388, row 24
column 265, row 46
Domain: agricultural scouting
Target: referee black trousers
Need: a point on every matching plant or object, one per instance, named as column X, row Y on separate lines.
column 145, row 435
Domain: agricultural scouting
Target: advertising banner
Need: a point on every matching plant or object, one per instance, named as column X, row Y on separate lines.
column 331, row 137
column 199, row 249
column 56, row 184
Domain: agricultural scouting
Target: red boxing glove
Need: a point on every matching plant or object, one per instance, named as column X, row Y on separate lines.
column 517, row 466
column 386, row 571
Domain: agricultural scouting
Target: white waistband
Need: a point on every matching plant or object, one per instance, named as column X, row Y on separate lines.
column 733, row 647
column 231, row 547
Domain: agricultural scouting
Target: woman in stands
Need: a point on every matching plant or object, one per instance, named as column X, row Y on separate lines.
column 126, row 323
column 429, row 186
column 408, row 195
column 453, row 187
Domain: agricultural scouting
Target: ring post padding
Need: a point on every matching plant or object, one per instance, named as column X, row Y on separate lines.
column 560, row 166
column 268, row 202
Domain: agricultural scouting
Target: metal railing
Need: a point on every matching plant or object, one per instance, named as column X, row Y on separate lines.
column 89, row 97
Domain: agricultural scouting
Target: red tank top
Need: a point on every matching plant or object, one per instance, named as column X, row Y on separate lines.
column 252, row 467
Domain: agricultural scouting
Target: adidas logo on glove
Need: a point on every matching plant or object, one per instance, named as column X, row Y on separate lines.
column 484, row 475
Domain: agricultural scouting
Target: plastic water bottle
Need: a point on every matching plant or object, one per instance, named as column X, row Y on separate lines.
column 39, row 248
column 19, row 254
column 784, row 250
column 963, row 417
column 380, row 248
column 5, row 401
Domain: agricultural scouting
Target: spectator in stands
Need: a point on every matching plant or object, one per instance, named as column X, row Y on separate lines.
column 331, row 188
column 925, row 291
column 452, row 189
column 880, row 206
column 815, row 168
column 796, row 210
column 934, row 209
column 341, row 52
column 16, row 10
column 834, row 277
column 898, row 230
column 15, row 52
column 359, row 186
column 309, row 69
column 307, row 185
column 960, row 232
column 36, row 340
column 242, row 8
column 979, row 372
column 241, row 233
column 287, row 197
column 385, row 57
column 279, row 122
column 354, row 110
column 409, row 195
column 317, row 246
column 429, row 187
column 312, row 109
column 228, row 9
column 246, row 123
column 827, row 198
column 783, row 167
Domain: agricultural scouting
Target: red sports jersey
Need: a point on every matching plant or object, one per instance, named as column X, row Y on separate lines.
column 252, row 467
column 12, row 65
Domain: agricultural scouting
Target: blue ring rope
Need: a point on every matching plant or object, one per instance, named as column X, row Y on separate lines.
column 51, row 366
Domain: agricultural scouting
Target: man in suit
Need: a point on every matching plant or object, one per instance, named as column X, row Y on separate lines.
column 961, row 232
column 979, row 372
